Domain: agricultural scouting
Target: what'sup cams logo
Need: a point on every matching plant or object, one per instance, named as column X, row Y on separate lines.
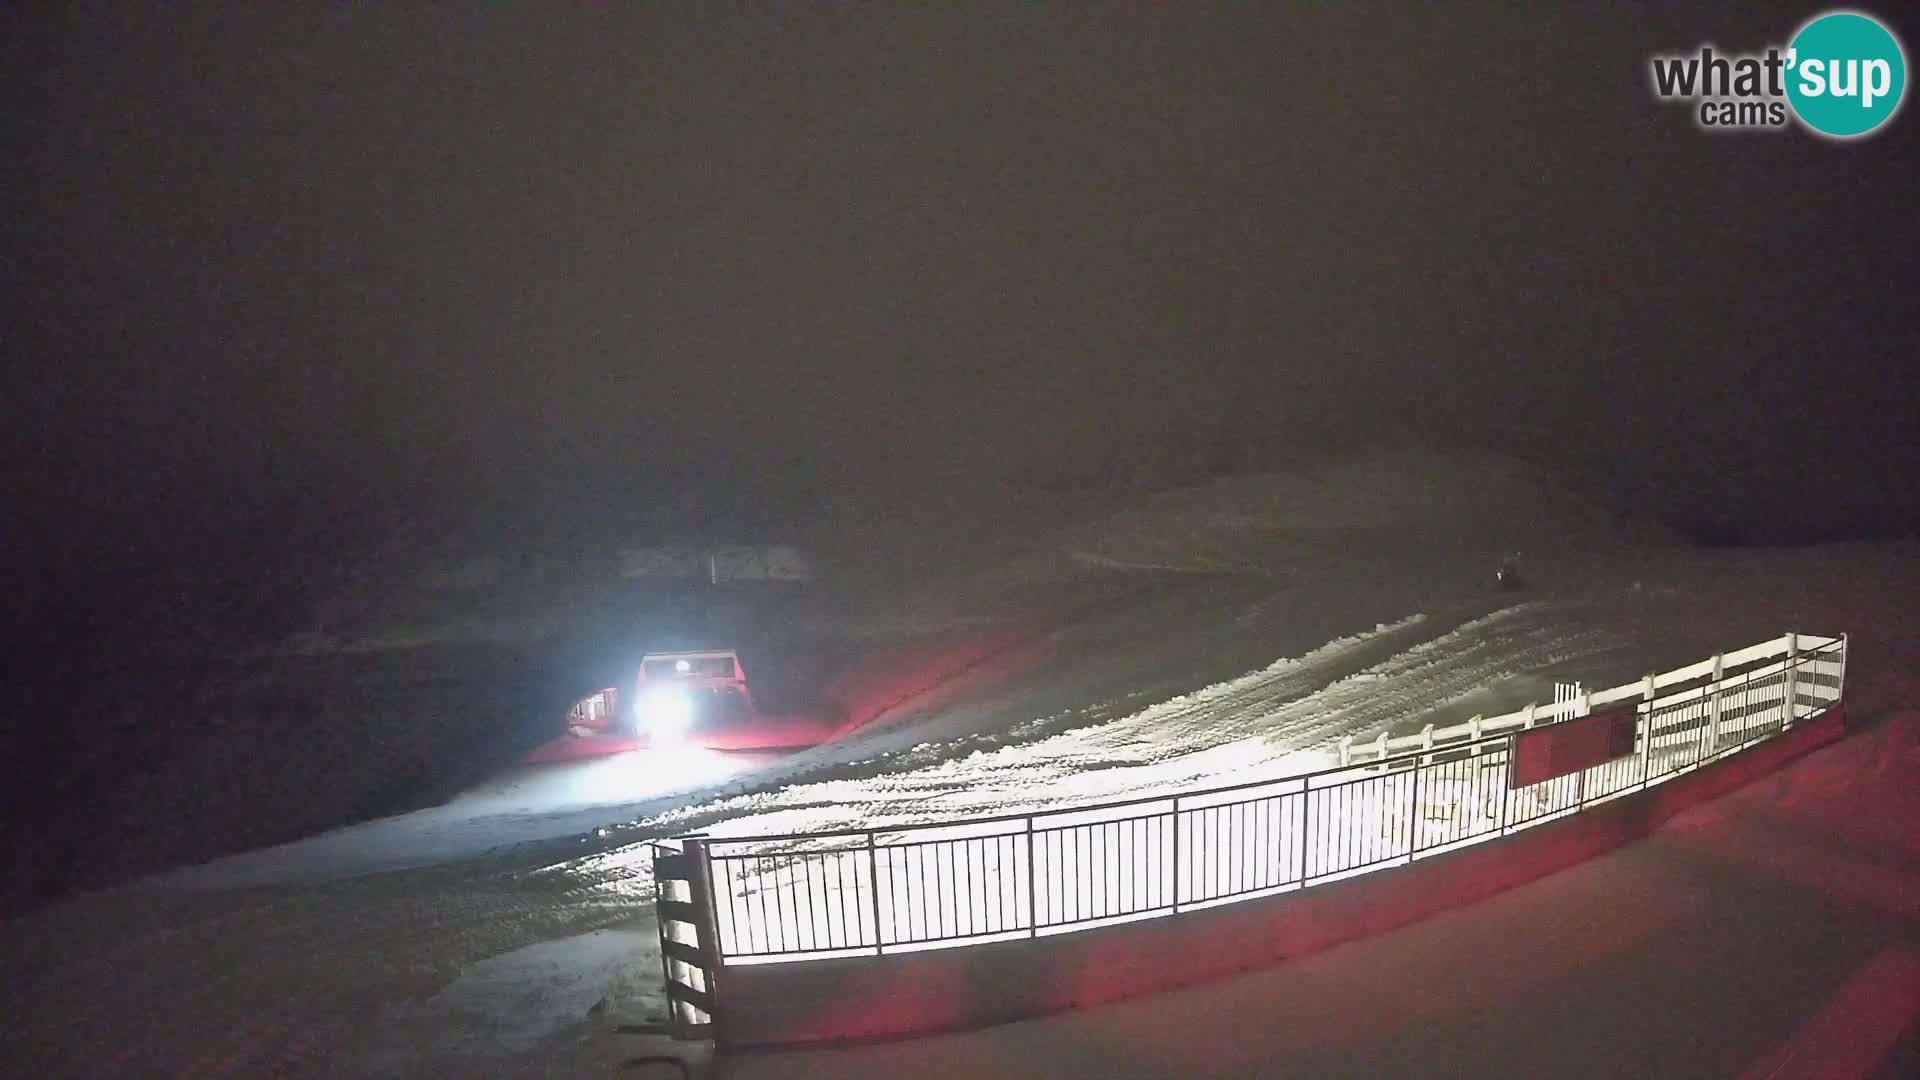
column 1842, row 76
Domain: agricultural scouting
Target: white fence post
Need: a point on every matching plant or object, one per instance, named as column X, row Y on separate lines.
column 1346, row 750
column 1713, row 703
column 1646, row 728
column 1793, row 656
column 1840, row 692
column 1175, row 862
column 1033, row 886
column 1584, row 708
column 1527, row 715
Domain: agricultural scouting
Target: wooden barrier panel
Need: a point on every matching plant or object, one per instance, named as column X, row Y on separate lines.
column 689, row 967
column 1562, row 749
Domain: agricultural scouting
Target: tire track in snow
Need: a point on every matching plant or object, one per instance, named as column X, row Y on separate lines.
column 856, row 787
column 1262, row 725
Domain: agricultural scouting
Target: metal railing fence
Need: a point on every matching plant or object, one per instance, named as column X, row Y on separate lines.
column 901, row 888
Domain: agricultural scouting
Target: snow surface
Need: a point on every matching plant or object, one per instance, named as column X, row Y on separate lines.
column 1263, row 725
column 483, row 930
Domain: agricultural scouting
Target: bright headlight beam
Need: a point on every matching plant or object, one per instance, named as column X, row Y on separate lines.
column 665, row 713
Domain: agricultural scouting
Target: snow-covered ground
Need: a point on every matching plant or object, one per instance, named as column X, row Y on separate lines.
column 1267, row 723
column 478, row 936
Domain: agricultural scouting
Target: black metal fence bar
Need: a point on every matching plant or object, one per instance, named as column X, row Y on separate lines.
column 1462, row 796
column 952, row 883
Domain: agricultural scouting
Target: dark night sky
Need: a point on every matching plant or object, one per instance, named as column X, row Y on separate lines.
column 281, row 270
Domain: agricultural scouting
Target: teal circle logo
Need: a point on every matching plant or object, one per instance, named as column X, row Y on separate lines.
column 1846, row 74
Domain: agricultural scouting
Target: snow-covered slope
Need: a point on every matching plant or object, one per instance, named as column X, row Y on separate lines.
column 345, row 954
column 1400, row 506
column 1264, row 724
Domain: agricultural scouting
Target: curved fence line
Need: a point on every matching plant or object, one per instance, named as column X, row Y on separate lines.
column 898, row 889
